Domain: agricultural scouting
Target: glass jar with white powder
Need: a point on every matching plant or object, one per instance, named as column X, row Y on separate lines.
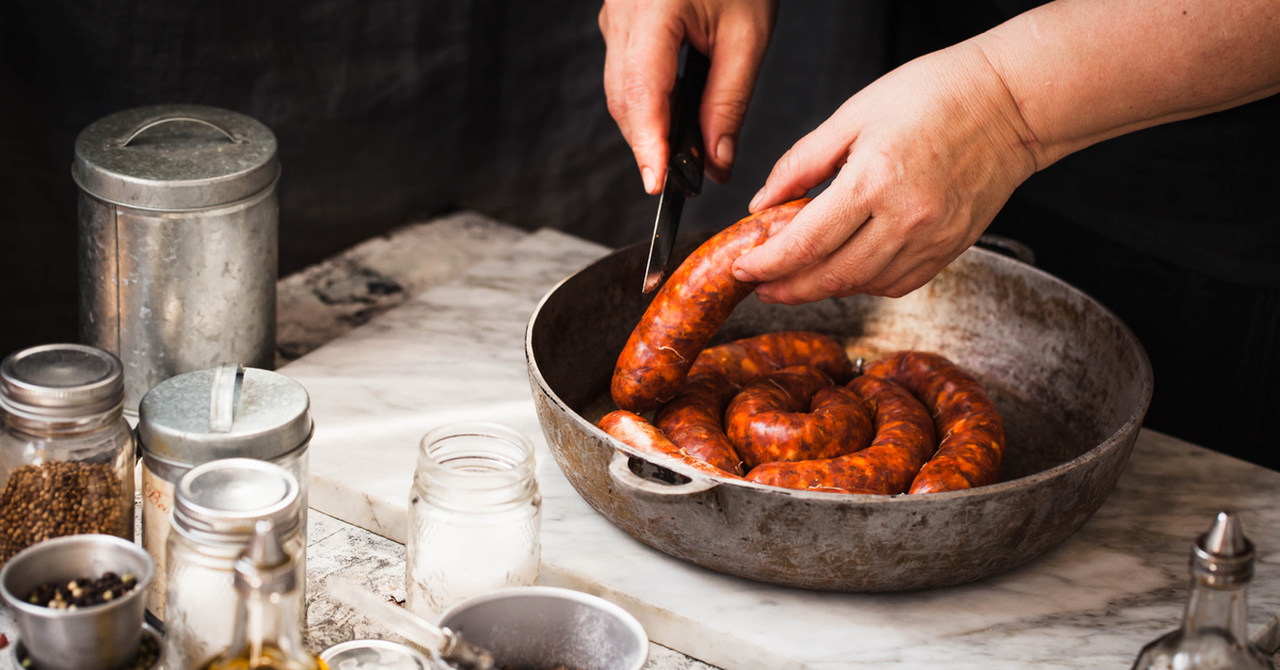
column 474, row 516
column 216, row 506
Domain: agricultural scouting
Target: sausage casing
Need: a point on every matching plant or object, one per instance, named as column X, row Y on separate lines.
column 745, row 360
column 634, row 430
column 694, row 419
column 968, row 424
column 767, row 420
column 687, row 311
column 904, row 440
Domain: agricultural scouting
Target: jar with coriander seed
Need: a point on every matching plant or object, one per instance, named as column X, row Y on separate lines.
column 66, row 450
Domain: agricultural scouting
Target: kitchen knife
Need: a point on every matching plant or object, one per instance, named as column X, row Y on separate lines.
column 684, row 164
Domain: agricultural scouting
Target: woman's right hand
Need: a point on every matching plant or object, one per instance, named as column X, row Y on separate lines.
column 642, row 42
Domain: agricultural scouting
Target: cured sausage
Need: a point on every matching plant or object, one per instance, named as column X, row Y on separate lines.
column 768, row 421
column 904, row 440
column 634, row 430
column 687, row 311
column 743, row 361
column 694, row 419
column 972, row 444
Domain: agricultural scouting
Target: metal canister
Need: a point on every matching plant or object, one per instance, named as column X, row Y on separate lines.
column 208, row 415
column 178, row 241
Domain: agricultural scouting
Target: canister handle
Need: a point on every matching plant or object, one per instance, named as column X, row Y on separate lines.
column 170, row 119
column 227, row 380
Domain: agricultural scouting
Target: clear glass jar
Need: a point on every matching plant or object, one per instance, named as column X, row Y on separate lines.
column 66, row 450
column 474, row 516
column 216, row 506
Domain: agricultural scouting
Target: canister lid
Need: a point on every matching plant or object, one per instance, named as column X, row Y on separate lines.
column 374, row 655
column 175, row 157
column 61, row 381
column 223, row 500
column 225, row 412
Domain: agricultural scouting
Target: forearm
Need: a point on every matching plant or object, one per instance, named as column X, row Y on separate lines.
column 1082, row 71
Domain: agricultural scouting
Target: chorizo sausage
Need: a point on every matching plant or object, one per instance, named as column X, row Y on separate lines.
column 687, row 311
column 750, row 358
column 967, row 422
column 904, row 440
column 634, row 430
column 694, row 419
column 767, row 420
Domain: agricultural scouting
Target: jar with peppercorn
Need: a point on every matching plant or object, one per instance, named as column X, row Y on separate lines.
column 66, row 450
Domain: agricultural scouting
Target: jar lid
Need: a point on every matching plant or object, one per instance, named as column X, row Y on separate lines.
column 175, row 157
column 61, row 381
column 224, row 412
column 374, row 655
column 223, row 500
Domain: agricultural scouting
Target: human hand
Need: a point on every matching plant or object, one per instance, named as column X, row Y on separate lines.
column 923, row 159
column 642, row 46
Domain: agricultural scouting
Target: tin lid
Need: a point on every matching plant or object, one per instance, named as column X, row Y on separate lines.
column 223, row 500
column 374, row 655
column 175, row 157
column 224, row 412
column 60, row 381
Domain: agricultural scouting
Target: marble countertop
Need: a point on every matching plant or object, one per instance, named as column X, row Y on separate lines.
column 425, row 325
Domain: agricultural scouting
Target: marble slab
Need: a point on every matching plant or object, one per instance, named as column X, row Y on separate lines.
column 455, row 351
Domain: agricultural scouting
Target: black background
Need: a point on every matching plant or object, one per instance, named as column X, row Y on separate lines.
column 393, row 111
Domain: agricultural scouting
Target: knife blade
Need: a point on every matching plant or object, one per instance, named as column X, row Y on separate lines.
column 684, row 164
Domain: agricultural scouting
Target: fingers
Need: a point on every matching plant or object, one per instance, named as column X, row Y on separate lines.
column 737, row 51
column 643, row 40
column 804, row 166
column 822, row 226
column 642, row 51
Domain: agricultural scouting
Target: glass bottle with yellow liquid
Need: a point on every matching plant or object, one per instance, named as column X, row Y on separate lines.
column 266, row 631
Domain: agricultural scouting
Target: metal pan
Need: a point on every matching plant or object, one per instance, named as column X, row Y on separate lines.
column 1070, row 379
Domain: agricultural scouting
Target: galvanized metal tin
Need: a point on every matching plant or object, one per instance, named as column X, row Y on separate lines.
column 209, row 415
column 178, row 241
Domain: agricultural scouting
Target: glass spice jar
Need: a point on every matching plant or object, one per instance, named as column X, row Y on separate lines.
column 474, row 516
column 216, row 508
column 66, row 450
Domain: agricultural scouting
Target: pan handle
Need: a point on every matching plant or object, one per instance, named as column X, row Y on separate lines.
column 651, row 489
column 1008, row 247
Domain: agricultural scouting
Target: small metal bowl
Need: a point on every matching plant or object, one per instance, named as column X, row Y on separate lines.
column 544, row 626
column 89, row 638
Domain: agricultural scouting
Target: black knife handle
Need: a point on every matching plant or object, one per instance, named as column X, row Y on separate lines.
column 686, row 148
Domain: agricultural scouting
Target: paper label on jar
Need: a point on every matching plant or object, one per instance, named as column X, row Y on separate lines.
column 157, row 500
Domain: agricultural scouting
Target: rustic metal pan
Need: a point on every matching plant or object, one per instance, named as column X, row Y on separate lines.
column 1071, row 380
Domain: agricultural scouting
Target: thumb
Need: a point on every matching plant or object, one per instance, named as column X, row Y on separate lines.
column 735, row 63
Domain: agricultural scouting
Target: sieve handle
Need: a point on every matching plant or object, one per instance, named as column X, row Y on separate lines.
column 227, row 380
column 171, row 119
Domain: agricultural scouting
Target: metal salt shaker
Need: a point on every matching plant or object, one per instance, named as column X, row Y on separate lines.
column 202, row 416
column 178, row 239
column 216, row 507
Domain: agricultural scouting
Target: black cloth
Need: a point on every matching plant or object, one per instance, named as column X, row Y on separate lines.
column 1174, row 228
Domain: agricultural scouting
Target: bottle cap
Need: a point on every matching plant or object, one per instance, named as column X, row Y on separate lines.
column 1223, row 556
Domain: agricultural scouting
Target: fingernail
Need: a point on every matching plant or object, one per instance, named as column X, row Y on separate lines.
column 755, row 200
column 742, row 275
column 647, row 175
column 724, row 149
